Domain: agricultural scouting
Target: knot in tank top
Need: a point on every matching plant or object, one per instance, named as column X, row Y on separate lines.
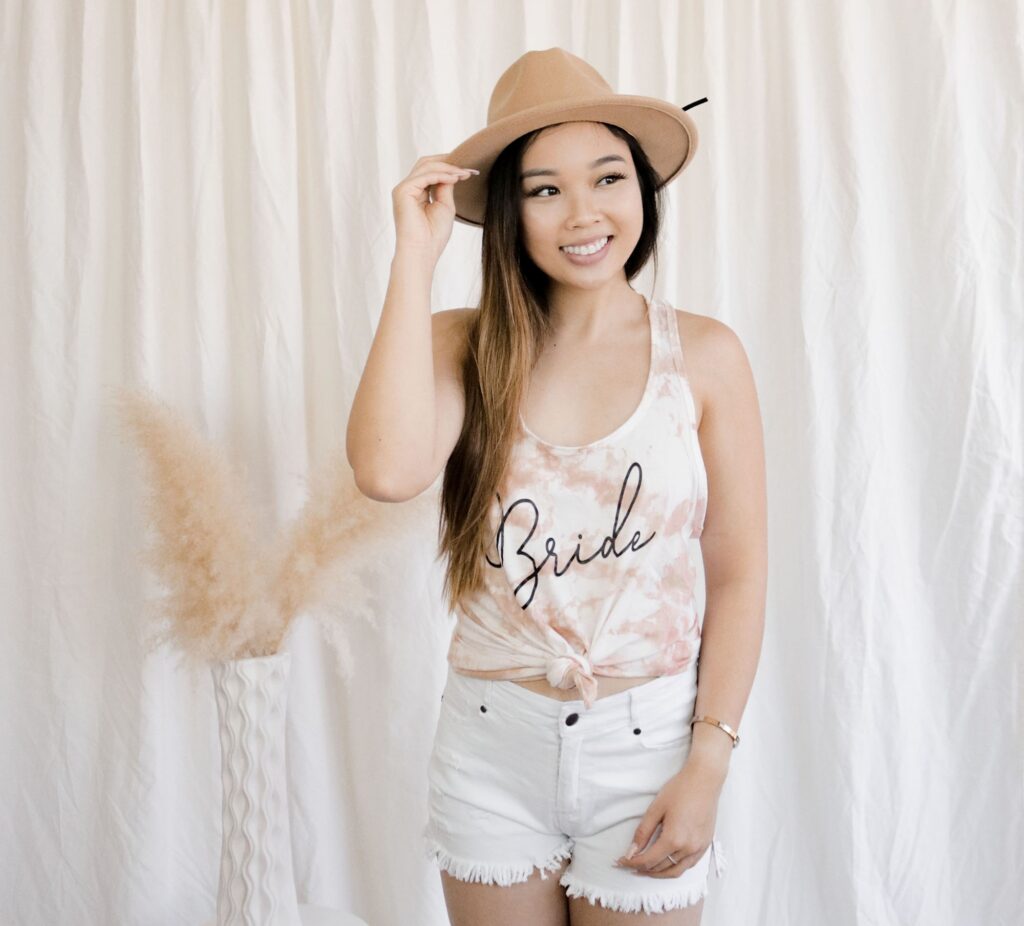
column 588, row 569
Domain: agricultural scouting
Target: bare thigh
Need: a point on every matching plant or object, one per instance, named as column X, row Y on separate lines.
column 536, row 901
column 583, row 913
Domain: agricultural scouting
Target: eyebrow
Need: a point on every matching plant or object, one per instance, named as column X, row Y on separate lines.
column 548, row 172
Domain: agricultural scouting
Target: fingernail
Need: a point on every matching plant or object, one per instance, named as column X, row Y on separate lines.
column 471, row 170
column 632, row 850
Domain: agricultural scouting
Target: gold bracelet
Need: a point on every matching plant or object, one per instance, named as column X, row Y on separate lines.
column 718, row 723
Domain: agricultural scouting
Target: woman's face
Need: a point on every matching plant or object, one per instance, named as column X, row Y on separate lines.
column 579, row 201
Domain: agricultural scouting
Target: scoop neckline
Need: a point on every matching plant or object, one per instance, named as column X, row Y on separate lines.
column 634, row 415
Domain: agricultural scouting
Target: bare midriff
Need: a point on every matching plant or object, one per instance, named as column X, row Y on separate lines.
column 606, row 685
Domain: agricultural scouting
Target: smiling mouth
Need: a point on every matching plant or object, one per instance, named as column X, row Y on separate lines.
column 590, row 249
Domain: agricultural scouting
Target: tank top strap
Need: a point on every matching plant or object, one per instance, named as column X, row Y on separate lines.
column 661, row 340
column 673, row 363
column 673, row 343
column 668, row 352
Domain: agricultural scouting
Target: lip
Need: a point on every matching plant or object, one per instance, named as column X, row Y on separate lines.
column 585, row 241
column 585, row 259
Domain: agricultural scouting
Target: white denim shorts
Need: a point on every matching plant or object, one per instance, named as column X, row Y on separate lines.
column 519, row 781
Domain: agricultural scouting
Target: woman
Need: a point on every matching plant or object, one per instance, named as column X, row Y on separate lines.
column 581, row 449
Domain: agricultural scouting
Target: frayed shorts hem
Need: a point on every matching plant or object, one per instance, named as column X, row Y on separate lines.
column 632, row 901
column 494, row 872
column 645, row 901
column 620, row 901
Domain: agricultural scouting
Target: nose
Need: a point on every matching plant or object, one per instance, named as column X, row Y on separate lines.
column 582, row 211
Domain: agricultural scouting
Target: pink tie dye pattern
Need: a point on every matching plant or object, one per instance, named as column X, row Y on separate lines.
column 590, row 571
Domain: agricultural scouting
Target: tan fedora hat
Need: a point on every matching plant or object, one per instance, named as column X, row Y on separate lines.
column 543, row 88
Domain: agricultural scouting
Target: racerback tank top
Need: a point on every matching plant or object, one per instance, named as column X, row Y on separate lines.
column 588, row 570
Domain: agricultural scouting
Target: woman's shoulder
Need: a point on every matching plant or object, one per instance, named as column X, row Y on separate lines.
column 705, row 331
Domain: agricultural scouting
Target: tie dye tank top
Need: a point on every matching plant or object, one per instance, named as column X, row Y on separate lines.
column 588, row 571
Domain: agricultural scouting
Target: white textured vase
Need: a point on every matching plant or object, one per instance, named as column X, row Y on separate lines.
column 257, row 887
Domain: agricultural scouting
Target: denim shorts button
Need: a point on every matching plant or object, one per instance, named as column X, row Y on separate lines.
column 636, row 729
column 571, row 719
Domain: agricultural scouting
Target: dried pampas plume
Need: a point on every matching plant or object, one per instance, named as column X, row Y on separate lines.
column 227, row 596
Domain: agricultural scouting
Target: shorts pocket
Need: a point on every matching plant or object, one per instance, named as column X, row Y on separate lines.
column 459, row 737
column 662, row 725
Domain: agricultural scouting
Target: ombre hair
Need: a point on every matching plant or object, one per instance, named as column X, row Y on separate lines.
column 502, row 345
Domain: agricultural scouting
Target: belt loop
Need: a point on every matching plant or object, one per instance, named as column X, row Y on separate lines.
column 488, row 688
column 634, row 713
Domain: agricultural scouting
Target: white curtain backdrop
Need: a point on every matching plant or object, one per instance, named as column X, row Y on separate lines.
column 195, row 196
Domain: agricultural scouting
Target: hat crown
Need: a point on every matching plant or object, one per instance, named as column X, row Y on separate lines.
column 539, row 78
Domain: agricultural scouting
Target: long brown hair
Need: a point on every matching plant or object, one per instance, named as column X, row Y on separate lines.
column 502, row 343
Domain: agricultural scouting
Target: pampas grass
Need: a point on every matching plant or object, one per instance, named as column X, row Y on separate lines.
column 228, row 596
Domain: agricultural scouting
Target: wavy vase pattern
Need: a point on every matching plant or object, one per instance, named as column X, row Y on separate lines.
column 256, row 882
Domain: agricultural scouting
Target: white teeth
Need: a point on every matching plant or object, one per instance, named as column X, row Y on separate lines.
column 588, row 249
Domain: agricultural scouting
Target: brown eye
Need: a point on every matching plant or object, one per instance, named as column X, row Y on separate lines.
column 537, row 190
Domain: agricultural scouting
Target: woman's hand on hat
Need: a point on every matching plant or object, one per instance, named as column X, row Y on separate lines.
column 424, row 205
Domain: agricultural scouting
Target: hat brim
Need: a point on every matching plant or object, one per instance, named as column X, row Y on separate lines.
column 666, row 133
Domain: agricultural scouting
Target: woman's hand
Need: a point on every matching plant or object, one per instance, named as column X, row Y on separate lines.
column 685, row 810
column 424, row 226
